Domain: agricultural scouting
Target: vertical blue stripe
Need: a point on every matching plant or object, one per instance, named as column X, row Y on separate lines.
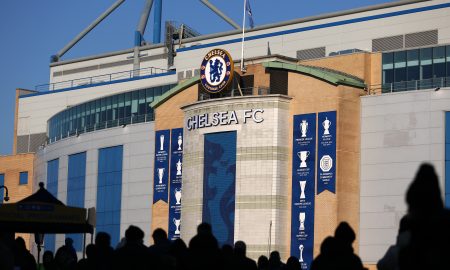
column 447, row 160
column 109, row 191
column 2, row 191
column 52, row 187
column 219, row 184
column 76, row 181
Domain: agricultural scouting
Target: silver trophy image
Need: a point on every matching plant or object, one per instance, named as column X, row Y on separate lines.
column 301, row 253
column 180, row 141
column 302, row 189
column 179, row 164
column 302, row 218
column 160, row 174
column 178, row 196
column 177, row 223
column 326, row 125
column 304, row 128
column 303, row 155
column 161, row 142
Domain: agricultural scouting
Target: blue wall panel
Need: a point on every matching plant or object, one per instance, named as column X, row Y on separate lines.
column 52, row 187
column 2, row 191
column 109, row 191
column 219, row 184
column 76, row 181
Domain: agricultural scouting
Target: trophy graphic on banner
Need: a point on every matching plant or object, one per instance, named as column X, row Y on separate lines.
column 161, row 142
column 179, row 167
column 303, row 155
column 302, row 189
column 304, row 128
column 180, row 141
column 302, row 218
column 178, row 196
column 326, row 125
column 301, row 253
column 160, row 174
column 177, row 223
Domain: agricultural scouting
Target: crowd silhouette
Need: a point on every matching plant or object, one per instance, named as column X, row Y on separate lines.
column 423, row 242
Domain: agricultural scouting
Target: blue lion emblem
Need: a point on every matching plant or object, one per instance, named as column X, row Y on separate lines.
column 216, row 70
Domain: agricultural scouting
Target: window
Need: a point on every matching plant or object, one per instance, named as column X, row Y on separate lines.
column 23, row 178
column 2, row 190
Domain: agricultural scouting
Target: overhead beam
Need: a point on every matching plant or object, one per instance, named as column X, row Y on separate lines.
column 55, row 58
column 220, row 14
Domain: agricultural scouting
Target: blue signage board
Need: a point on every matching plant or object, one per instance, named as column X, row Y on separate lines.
column 161, row 170
column 326, row 152
column 303, row 188
column 176, row 173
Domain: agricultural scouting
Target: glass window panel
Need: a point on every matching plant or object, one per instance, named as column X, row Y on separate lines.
column 23, row 178
column 426, row 69
column 412, row 58
column 134, row 103
column 439, row 54
column 388, row 60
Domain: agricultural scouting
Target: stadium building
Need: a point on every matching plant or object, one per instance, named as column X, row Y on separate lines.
column 328, row 122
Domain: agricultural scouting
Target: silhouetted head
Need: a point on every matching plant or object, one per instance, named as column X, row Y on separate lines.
column 47, row 257
column 424, row 195
column 91, row 251
column 292, row 263
column 178, row 246
column 263, row 262
column 405, row 224
column 240, row 248
column 20, row 243
column 69, row 242
column 103, row 239
column 159, row 236
column 204, row 228
column 328, row 246
column 274, row 257
column 134, row 235
column 344, row 233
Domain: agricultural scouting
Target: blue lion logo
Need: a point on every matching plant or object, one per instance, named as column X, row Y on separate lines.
column 216, row 70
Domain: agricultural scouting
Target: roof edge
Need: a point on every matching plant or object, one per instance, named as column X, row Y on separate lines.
column 175, row 90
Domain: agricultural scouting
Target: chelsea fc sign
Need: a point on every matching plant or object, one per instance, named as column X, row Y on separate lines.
column 216, row 71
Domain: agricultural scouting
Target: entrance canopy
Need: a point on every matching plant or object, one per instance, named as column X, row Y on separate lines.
column 41, row 212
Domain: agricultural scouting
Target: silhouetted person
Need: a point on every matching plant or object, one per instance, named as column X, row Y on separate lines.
column 345, row 236
column 327, row 259
column 22, row 257
column 90, row 262
column 263, row 263
column 48, row 262
column 179, row 251
column 160, row 250
column 275, row 261
column 390, row 260
column 66, row 256
column 429, row 222
column 133, row 255
column 205, row 254
column 292, row 264
column 241, row 260
column 228, row 257
column 104, row 251
column 6, row 250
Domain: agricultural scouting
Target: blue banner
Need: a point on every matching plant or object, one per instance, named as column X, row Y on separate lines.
column 176, row 172
column 303, row 186
column 219, row 184
column 327, row 152
column 161, row 170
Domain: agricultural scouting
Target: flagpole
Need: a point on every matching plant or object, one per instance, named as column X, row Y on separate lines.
column 243, row 39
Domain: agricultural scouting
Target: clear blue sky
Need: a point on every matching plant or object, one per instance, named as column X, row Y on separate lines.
column 32, row 30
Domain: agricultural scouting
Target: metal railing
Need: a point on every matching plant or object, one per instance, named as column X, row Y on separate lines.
column 248, row 91
column 135, row 119
column 106, row 78
column 409, row 85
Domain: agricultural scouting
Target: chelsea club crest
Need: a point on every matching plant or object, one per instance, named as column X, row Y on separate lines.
column 216, row 71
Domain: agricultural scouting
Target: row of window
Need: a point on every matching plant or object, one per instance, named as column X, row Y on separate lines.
column 416, row 69
column 109, row 191
column 112, row 111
